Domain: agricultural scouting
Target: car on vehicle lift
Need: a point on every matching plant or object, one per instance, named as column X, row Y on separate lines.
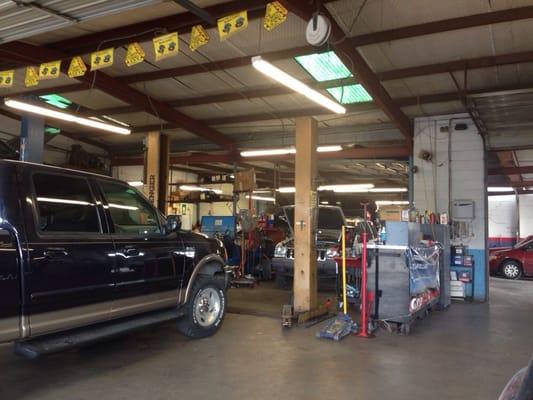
column 514, row 262
column 84, row 257
column 328, row 243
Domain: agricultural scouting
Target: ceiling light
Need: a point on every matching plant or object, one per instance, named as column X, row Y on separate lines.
column 268, row 152
column 388, row 190
column 326, row 149
column 391, row 202
column 348, row 188
column 136, row 183
column 500, row 189
column 262, row 198
column 191, row 188
column 34, row 109
column 380, row 165
column 287, row 189
column 285, row 79
column 324, row 202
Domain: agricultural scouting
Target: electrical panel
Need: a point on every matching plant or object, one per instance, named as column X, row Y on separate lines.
column 463, row 210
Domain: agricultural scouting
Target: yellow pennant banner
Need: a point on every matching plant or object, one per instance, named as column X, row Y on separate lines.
column 232, row 24
column 76, row 68
column 50, row 70
column 199, row 37
column 166, row 46
column 31, row 77
column 102, row 59
column 6, row 78
column 135, row 54
column 275, row 15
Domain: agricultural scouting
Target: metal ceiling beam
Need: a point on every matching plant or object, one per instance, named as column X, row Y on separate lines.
column 444, row 25
column 390, row 152
column 512, row 148
column 125, row 93
column 523, row 184
column 511, row 170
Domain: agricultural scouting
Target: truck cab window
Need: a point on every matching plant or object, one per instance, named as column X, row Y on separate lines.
column 64, row 204
column 131, row 213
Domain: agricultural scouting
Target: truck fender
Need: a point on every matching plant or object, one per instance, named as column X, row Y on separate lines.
column 209, row 265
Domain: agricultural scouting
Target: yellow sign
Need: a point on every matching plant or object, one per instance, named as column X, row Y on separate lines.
column 76, row 68
column 135, row 54
column 199, row 37
column 232, row 24
column 32, row 77
column 166, row 46
column 102, row 59
column 50, row 70
column 275, row 15
column 6, row 78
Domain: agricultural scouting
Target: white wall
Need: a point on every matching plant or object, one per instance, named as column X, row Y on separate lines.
column 503, row 220
column 456, row 172
column 525, row 202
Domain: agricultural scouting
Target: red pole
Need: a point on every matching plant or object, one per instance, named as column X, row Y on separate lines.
column 364, row 294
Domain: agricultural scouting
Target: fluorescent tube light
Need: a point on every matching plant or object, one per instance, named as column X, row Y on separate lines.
column 191, row 188
column 136, row 183
column 268, row 152
column 64, row 116
column 261, row 198
column 391, row 202
column 348, row 188
column 388, row 190
column 500, row 189
column 287, row 189
column 327, row 149
column 285, row 79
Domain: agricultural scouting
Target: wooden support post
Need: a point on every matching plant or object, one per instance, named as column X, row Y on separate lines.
column 156, row 169
column 153, row 153
column 305, row 216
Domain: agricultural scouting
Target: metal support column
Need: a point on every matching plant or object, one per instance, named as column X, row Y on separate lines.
column 32, row 138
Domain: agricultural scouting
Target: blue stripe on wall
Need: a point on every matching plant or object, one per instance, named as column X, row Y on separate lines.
column 480, row 271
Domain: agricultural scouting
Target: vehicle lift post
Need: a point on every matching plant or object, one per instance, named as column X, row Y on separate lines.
column 364, row 294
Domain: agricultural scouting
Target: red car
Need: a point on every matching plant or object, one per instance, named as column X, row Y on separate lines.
column 514, row 262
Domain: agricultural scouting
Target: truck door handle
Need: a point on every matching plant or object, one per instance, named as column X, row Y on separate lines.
column 55, row 253
column 131, row 251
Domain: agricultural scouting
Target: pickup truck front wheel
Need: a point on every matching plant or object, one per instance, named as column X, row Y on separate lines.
column 205, row 310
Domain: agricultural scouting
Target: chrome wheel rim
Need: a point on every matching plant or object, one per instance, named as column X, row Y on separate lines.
column 207, row 306
column 511, row 271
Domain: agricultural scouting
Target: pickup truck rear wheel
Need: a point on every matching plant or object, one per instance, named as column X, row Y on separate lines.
column 205, row 309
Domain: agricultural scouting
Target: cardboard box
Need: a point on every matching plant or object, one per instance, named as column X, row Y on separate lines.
column 390, row 213
column 244, row 181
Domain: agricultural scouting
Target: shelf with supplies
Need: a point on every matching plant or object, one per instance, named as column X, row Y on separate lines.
column 461, row 273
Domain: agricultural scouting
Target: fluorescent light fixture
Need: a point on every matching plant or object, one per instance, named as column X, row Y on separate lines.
column 268, row 152
column 380, row 165
column 388, row 190
column 348, row 188
column 326, row 149
column 287, row 189
column 324, row 202
column 262, row 198
column 136, row 183
column 63, row 116
column 391, row 202
column 63, row 201
column 500, row 189
column 285, row 79
column 191, row 188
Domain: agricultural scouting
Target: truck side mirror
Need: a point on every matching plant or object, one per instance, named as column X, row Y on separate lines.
column 173, row 223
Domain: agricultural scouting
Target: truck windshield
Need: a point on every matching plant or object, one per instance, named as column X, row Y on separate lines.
column 328, row 218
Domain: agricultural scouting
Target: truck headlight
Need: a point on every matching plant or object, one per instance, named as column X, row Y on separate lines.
column 280, row 250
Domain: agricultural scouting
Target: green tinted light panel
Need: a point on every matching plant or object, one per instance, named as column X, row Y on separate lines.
column 324, row 66
column 51, row 130
column 350, row 94
column 56, row 100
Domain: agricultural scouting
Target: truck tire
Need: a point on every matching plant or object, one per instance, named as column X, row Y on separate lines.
column 511, row 269
column 205, row 310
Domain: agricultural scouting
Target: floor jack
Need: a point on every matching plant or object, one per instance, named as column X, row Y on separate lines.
column 342, row 325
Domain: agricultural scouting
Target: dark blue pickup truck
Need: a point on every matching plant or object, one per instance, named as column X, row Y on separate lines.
column 84, row 257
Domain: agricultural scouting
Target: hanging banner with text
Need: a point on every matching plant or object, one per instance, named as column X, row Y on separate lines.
column 102, row 59
column 166, row 46
column 232, row 24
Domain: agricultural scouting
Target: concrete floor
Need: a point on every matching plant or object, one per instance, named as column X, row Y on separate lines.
column 468, row 352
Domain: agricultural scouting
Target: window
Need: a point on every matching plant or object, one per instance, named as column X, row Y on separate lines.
column 64, row 204
column 130, row 212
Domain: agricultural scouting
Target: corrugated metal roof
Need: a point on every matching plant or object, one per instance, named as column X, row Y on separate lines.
column 20, row 19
